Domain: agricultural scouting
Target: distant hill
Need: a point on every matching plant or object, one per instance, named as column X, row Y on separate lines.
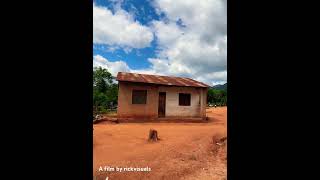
column 220, row 87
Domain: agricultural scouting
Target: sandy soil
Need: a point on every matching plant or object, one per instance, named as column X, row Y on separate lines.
column 185, row 151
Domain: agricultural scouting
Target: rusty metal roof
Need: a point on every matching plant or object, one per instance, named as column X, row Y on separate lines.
column 163, row 80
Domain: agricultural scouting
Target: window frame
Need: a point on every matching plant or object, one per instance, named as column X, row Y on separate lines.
column 184, row 102
column 134, row 95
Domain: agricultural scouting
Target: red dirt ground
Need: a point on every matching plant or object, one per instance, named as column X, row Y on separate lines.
column 185, row 151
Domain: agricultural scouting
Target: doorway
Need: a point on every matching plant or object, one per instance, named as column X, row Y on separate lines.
column 162, row 104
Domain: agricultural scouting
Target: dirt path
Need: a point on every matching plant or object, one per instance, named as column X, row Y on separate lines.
column 184, row 151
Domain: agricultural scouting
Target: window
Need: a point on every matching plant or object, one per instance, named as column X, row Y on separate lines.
column 139, row 97
column 184, row 99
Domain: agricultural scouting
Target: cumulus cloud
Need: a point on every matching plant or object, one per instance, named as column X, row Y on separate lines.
column 198, row 47
column 191, row 39
column 118, row 66
column 206, row 18
column 112, row 67
column 119, row 29
column 160, row 67
column 167, row 34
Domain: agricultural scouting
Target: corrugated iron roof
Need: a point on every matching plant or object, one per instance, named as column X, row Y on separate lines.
column 155, row 79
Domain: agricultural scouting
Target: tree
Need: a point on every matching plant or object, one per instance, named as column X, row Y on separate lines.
column 216, row 96
column 211, row 98
column 101, row 79
column 112, row 94
column 105, row 91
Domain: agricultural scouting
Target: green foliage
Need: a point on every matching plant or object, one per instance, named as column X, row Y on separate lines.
column 101, row 79
column 217, row 97
column 105, row 91
column 112, row 93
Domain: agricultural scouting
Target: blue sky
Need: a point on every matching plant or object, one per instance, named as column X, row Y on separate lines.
column 163, row 37
column 144, row 14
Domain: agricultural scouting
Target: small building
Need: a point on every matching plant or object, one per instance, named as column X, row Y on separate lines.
column 143, row 97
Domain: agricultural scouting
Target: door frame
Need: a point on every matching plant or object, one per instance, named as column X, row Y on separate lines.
column 164, row 109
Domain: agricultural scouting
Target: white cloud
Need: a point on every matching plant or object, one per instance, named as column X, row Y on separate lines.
column 166, row 33
column 112, row 67
column 119, row 29
column 207, row 18
column 160, row 67
column 214, row 78
column 198, row 49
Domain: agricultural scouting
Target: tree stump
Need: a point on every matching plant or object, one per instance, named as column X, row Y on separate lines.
column 153, row 135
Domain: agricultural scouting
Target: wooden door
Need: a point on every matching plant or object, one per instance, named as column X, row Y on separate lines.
column 162, row 104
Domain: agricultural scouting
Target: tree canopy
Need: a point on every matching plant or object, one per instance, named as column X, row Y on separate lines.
column 105, row 91
column 218, row 97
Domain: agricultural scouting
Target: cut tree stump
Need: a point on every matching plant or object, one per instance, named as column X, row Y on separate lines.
column 153, row 135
